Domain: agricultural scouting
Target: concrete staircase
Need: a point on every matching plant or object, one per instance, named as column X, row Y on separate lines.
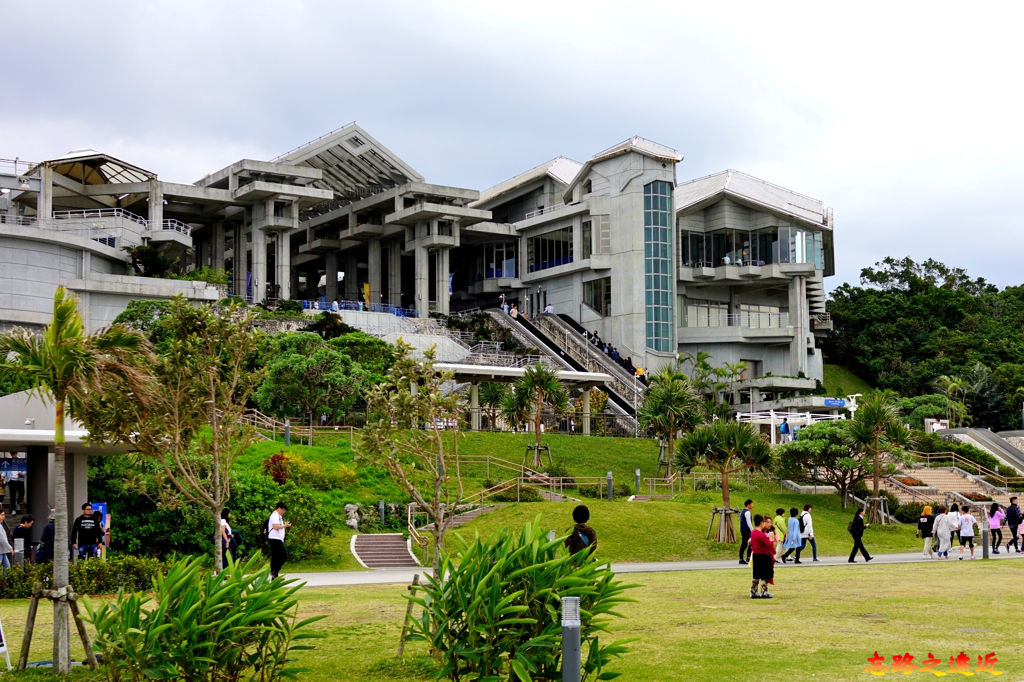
column 385, row 550
column 948, row 480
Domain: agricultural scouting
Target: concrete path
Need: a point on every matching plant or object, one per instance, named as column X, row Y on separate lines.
column 404, row 576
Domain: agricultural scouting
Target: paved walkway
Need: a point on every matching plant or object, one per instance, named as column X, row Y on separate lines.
column 404, row 576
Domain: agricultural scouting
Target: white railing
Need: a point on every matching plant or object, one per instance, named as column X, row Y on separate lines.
column 744, row 320
column 15, row 166
column 86, row 214
column 821, row 317
column 176, row 226
column 7, row 219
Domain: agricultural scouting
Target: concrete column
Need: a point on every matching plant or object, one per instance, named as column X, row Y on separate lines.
column 240, row 267
column 373, row 270
column 422, row 281
column 799, row 321
column 259, row 264
column 217, row 245
column 283, row 264
column 76, row 480
column 44, row 203
column 586, row 411
column 441, row 273
column 38, row 488
column 295, row 285
column 395, row 272
column 331, row 275
column 156, row 205
column 474, row 406
column 351, row 276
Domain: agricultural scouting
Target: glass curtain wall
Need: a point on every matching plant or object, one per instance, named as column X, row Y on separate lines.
column 549, row 250
column 658, row 266
column 762, row 247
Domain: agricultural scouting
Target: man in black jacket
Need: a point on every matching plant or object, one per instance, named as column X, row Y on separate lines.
column 86, row 534
column 1013, row 519
column 857, row 527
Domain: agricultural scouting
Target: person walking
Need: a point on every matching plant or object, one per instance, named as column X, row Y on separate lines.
column 6, row 550
column 793, row 540
column 24, row 532
column 762, row 556
column 953, row 522
column 967, row 523
column 784, row 431
column 44, row 550
column 807, row 532
column 276, row 527
column 925, row 526
column 86, row 534
column 228, row 542
column 857, row 527
column 996, row 519
column 746, row 525
column 780, row 530
column 942, row 529
column 1013, row 519
column 582, row 537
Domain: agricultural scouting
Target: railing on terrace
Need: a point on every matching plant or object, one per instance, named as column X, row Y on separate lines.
column 176, row 226
column 91, row 213
column 324, row 305
column 8, row 219
column 821, row 317
column 484, row 346
column 16, row 166
column 744, row 320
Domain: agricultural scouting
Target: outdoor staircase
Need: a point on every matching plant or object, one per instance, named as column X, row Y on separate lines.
column 947, row 480
column 385, row 550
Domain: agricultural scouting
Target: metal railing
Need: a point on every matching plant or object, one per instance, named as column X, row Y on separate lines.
column 8, row 219
column 87, row 214
column 747, row 320
column 670, row 481
column 16, row 166
column 176, row 226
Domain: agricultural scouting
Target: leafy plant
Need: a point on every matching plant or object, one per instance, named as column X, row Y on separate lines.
column 276, row 466
column 202, row 626
column 494, row 611
column 89, row 577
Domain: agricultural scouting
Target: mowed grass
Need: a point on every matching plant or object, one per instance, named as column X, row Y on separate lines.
column 823, row 624
column 841, row 382
column 675, row 530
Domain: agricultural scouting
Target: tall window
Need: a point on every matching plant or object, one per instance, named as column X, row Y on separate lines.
column 549, row 250
column 597, row 294
column 586, row 239
column 658, row 265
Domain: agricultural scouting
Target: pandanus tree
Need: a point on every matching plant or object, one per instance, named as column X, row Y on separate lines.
column 670, row 405
column 65, row 364
column 536, row 390
column 878, row 431
column 725, row 447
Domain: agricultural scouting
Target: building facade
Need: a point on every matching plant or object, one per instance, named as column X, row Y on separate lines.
column 727, row 265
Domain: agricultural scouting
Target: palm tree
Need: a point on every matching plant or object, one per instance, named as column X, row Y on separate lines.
column 65, row 364
column 536, row 389
column 726, row 447
column 492, row 395
column 670, row 404
column 876, row 430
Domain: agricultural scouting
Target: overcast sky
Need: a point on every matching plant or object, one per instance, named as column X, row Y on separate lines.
column 903, row 117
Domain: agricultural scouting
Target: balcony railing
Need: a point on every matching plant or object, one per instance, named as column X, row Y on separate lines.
column 746, row 320
column 100, row 213
column 176, row 226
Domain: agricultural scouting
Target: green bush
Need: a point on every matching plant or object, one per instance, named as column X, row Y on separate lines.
column 494, row 612
column 288, row 306
column 909, row 512
column 200, row 626
column 116, row 574
column 526, row 493
column 317, row 476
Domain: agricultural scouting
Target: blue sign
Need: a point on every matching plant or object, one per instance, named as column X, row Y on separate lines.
column 835, row 402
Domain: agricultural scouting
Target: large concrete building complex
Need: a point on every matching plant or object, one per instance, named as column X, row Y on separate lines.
column 727, row 264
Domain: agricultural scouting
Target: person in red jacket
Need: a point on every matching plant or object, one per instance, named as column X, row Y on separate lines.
column 762, row 557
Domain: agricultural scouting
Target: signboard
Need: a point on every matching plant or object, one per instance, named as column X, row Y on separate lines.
column 835, row 402
column 101, row 507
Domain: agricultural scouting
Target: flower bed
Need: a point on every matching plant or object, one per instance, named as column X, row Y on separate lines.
column 910, row 480
column 977, row 497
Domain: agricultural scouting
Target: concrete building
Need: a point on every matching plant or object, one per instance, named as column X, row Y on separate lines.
column 727, row 265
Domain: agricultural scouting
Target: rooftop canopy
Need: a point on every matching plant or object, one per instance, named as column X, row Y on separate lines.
column 90, row 167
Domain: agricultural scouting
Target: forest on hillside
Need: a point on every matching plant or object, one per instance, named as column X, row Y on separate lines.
column 921, row 328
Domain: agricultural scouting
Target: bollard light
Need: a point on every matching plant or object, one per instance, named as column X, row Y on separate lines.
column 571, row 639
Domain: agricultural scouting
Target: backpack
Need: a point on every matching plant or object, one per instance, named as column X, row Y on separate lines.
column 801, row 520
column 584, row 540
column 784, row 427
column 1013, row 515
column 849, row 528
column 265, row 532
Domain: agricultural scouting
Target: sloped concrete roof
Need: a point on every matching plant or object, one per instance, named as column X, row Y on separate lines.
column 562, row 169
column 737, row 184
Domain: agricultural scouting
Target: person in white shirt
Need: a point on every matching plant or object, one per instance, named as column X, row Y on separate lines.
column 808, row 532
column 227, row 536
column 276, row 526
column 967, row 523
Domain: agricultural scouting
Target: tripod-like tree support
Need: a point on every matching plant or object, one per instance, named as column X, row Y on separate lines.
column 536, row 462
column 63, row 594
column 725, row 532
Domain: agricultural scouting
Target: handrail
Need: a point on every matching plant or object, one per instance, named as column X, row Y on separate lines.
column 414, row 534
column 929, row 457
column 100, row 213
column 176, row 226
column 908, row 489
column 14, row 165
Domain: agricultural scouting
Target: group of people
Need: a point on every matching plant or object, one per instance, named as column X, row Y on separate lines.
column 611, row 351
column 791, row 534
column 956, row 525
column 88, row 536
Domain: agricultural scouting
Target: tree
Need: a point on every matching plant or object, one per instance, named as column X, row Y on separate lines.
column 670, row 405
column 824, row 448
column 877, row 430
column 726, row 447
column 66, row 365
column 308, row 376
column 191, row 422
column 537, row 389
column 405, row 433
column 492, row 395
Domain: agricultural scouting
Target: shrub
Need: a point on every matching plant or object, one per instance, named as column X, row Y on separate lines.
column 1007, row 471
column 909, row 512
column 493, row 612
column 315, row 475
column 288, row 306
column 525, row 493
column 202, row 626
column 116, row 574
column 276, row 466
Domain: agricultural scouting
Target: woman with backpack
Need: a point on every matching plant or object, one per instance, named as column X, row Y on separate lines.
column 793, row 539
column 996, row 518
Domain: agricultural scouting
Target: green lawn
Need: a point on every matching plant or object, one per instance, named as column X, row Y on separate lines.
column 823, row 624
column 841, row 382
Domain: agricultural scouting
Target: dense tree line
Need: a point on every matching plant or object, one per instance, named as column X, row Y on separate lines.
column 921, row 328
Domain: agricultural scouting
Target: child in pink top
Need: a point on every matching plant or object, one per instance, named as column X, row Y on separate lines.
column 996, row 518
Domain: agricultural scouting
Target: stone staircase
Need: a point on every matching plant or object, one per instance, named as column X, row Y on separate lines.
column 948, row 480
column 384, row 550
